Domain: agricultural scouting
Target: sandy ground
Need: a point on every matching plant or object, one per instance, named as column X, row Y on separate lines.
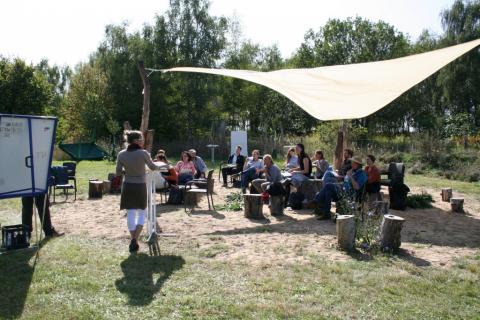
column 429, row 237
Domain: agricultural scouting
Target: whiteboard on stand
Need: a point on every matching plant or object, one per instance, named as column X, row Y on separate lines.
column 26, row 149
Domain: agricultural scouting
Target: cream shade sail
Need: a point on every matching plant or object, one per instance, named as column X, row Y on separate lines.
column 348, row 91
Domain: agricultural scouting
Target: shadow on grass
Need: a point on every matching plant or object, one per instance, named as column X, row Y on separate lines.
column 214, row 213
column 16, row 272
column 144, row 276
column 402, row 254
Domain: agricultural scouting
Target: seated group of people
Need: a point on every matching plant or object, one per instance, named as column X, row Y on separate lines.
column 349, row 181
column 189, row 167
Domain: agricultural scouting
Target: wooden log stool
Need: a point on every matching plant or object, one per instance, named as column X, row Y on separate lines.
column 253, row 206
column 390, row 233
column 446, row 194
column 310, row 187
column 95, row 189
column 107, row 185
column 457, row 204
column 346, row 232
column 276, row 205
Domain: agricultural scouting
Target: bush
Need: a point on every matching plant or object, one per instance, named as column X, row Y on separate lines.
column 420, row 201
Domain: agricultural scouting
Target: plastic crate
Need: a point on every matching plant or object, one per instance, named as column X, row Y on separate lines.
column 15, row 237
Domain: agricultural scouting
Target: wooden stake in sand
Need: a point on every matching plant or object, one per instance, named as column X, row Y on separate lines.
column 446, row 194
column 95, row 189
column 107, row 185
column 346, row 232
column 457, row 204
column 276, row 205
column 253, row 206
column 390, row 233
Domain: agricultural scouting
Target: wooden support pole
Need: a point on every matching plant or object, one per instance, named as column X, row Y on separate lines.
column 253, row 206
column 446, row 194
column 346, row 232
column 390, row 233
column 457, row 204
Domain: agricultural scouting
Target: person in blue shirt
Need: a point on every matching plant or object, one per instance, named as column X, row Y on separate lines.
column 354, row 182
column 200, row 165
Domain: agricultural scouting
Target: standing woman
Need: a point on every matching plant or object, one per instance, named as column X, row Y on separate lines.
column 134, row 190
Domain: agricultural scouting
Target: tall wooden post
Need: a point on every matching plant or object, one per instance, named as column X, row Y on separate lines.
column 341, row 145
column 148, row 134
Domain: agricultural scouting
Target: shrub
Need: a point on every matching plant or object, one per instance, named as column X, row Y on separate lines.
column 419, row 201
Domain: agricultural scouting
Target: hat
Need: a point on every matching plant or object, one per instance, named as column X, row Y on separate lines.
column 357, row 159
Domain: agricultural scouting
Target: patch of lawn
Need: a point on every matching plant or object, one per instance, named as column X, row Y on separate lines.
column 469, row 188
column 80, row 278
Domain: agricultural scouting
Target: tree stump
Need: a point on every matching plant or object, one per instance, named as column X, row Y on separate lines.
column 346, row 232
column 253, row 206
column 95, row 189
column 107, row 185
column 446, row 194
column 457, row 204
column 190, row 198
column 390, row 233
column 276, row 205
column 380, row 207
column 310, row 187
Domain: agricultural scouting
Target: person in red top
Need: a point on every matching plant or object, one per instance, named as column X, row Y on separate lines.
column 373, row 183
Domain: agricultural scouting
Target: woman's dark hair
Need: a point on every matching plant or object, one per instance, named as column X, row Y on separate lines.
column 320, row 153
column 239, row 147
column 302, row 154
column 188, row 154
column 350, row 152
column 371, row 157
column 134, row 135
column 289, row 156
column 162, row 157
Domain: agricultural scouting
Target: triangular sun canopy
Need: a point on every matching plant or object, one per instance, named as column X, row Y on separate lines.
column 348, row 91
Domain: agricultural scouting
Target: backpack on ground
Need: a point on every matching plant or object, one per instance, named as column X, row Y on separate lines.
column 175, row 196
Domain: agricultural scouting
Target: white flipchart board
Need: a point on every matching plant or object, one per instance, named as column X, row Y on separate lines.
column 26, row 148
column 239, row 138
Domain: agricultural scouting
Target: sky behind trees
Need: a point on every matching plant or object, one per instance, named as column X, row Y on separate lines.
column 67, row 32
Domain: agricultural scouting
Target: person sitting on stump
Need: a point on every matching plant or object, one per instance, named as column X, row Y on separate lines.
column 321, row 164
column 252, row 169
column 373, row 184
column 237, row 159
column 272, row 175
column 200, row 166
column 291, row 160
column 354, row 182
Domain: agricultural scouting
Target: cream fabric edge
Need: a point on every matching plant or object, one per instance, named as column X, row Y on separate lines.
column 348, row 91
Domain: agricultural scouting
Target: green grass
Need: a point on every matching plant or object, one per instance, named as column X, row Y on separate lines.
column 469, row 188
column 85, row 279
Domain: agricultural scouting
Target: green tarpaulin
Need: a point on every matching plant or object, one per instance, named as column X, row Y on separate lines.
column 83, row 151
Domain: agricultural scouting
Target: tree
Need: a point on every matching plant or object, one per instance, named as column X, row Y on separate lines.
column 23, row 90
column 88, row 107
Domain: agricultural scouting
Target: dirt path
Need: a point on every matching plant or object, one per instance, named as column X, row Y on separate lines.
column 430, row 237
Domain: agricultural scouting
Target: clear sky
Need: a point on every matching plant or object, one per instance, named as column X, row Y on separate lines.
column 67, row 31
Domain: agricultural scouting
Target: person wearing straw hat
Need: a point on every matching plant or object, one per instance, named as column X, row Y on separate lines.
column 355, row 179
